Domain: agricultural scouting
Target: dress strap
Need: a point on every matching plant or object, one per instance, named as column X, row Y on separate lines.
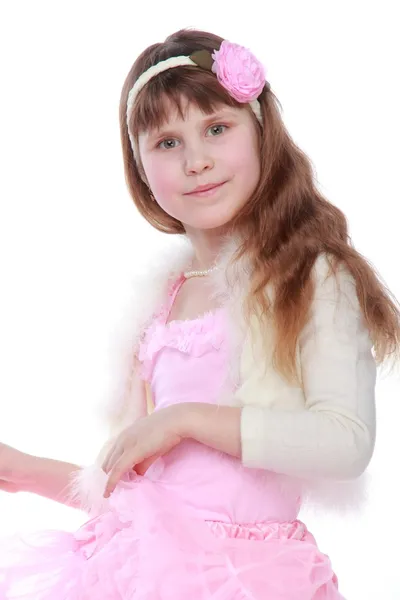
column 174, row 289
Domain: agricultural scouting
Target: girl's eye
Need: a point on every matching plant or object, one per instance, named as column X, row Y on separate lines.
column 169, row 143
column 217, row 129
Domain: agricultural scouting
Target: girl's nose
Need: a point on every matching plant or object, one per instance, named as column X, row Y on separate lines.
column 198, row 160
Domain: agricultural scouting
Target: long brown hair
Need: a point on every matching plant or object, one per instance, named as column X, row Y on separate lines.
column 285, row 225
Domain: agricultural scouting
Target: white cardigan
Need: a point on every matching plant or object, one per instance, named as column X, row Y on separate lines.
column 319, row 435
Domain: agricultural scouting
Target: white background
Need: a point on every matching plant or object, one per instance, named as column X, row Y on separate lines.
column 70, row 236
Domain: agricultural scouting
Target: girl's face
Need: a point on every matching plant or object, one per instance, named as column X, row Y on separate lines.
column 202, row 169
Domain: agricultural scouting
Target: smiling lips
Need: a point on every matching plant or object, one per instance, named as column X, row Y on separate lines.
column 203, row 190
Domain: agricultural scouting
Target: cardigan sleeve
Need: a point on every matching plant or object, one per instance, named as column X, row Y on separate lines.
column 333, row 436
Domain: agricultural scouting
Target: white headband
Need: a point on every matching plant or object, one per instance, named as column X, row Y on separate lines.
column 245, row 67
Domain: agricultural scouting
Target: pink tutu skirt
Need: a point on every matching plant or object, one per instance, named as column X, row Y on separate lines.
column 149, row 546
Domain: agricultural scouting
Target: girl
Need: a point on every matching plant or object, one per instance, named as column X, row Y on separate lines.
column 245, row 379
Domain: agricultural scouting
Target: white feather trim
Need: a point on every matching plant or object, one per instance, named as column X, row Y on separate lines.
column 147, row 292
column 86, row 489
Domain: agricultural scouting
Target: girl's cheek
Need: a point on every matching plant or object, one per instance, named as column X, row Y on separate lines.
column 163, row 180
column 163, row 175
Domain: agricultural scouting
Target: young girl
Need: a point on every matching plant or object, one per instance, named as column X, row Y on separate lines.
column 245, row 379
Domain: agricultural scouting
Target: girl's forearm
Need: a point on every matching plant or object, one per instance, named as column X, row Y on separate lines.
column 51, row 479
column 214, row 426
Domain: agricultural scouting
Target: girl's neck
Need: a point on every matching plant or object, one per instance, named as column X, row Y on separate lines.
column 206, row 246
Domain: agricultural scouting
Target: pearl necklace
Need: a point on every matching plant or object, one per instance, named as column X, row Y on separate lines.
column 189, row 274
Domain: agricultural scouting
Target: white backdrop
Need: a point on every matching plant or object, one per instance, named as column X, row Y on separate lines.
column 69, row 234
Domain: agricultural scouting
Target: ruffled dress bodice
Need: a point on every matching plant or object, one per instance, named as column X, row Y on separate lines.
column 184, row 361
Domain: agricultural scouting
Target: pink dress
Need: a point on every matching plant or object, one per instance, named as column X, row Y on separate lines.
column 198, row 525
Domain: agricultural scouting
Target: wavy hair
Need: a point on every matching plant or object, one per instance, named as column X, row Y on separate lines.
column 284, row 226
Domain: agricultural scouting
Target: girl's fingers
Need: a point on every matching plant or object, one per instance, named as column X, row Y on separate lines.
column 124, row 464
column 113, row 456
column 142, row 467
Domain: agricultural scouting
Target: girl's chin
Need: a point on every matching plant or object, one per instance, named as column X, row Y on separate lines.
column 207, row 222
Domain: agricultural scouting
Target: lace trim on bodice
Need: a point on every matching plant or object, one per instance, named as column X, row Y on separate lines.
column 190, row 336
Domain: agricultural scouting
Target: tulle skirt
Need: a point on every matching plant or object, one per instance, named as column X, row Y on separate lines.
column 149, row 546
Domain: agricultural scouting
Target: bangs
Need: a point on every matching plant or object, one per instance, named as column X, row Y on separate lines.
column 177, row 89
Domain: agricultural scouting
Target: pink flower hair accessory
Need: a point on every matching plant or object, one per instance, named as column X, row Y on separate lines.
column 238, row 71
column 235, row 67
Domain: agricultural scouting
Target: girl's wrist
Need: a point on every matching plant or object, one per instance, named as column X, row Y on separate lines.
column 215, row 426
column 186, row 418
column 50, row 478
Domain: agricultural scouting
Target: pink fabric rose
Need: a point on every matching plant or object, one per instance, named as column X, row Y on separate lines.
column 238, row 71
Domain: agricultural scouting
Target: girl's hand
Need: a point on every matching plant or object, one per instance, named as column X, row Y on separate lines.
column 14, row 469
column 140, row 444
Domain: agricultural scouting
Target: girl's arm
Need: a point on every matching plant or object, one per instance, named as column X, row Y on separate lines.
column 49, row 478
column 135, row 404
column 334, row 435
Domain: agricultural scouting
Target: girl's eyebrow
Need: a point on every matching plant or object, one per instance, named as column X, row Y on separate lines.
column 220, row 115
column 171, row 129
